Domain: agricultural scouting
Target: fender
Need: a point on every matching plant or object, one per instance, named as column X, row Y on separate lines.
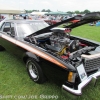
column 30, row 55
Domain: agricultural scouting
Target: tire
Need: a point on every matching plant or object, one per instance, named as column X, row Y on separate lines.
column 35, row 72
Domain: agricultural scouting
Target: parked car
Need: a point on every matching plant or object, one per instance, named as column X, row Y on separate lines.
column 52, row 52
column 52, row 21
column 75, row 20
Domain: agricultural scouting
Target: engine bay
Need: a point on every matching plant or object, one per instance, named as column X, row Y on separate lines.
column 59, row 43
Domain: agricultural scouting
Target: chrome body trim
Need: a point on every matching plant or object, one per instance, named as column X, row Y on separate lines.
column 78, row 92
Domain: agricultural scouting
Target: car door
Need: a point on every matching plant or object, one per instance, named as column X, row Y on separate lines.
column 7, row 39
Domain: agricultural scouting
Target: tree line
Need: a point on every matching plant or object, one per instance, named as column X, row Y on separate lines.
column 72, row 12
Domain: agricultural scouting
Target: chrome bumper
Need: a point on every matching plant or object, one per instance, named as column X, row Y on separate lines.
column 78, row 92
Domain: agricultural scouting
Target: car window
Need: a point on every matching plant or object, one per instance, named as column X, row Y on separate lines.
column 6, row 27
column 29, row 28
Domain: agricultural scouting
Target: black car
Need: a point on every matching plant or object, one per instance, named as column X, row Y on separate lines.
column 51, row 52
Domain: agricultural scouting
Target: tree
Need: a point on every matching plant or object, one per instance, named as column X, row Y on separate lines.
column 77, row 12
column 70, row 12
column 86, row 11
column 48, row 10
column 43, row 10
column 28, row 11
column 35, row 10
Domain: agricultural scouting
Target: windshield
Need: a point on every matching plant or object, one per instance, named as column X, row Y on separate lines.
column 26, row 29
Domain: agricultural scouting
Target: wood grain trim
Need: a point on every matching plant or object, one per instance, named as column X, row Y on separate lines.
column 34, row 50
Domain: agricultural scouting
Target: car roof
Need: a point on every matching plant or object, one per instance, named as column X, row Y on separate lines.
column 22, row 21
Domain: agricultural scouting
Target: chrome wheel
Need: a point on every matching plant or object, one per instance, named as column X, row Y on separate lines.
column 33, row 70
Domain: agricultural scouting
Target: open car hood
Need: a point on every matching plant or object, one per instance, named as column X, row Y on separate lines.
column 90, row 17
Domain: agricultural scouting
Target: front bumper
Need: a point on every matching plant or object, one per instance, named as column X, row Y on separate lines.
column 92, row 78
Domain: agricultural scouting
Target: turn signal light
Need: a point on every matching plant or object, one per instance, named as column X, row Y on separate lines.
column 71, row 77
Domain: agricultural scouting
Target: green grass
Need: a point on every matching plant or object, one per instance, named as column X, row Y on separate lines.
column 15, row 83
column 89, row 32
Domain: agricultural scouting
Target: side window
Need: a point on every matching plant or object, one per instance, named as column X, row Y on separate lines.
column 6, row 27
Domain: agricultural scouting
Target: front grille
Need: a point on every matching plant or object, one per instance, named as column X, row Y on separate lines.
column 92, row 64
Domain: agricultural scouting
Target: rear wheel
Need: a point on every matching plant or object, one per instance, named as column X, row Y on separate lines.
column 35, row 72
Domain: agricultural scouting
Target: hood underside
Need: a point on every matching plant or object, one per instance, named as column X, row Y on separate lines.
column 87, row 18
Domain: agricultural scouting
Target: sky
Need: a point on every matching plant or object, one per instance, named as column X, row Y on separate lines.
column 53, row 5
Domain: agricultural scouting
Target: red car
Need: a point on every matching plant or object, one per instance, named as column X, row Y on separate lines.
column 52, row 21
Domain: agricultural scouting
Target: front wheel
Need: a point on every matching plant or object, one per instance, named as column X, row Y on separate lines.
column 35, row 72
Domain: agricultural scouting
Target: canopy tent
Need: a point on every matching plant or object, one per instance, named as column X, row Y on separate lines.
column 38, row 13
column 56, row 13
column 4, row 9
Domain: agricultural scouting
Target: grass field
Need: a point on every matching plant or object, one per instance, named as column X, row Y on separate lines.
column 15, row 83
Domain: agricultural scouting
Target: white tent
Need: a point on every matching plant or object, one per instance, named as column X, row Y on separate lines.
column 4, row 9
column 8, row 11
column 38, row 13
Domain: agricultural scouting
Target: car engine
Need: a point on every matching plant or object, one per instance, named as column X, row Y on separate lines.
column 63, row 46
column 61, row 42
column 68, row 49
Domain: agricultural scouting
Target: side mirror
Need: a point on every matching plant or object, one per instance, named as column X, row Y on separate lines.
column 8, row 32
column 12, row 34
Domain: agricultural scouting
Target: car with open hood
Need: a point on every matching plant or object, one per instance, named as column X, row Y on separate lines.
column 52, row 52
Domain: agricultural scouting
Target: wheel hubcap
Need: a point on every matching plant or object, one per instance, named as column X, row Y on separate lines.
column 33, row 70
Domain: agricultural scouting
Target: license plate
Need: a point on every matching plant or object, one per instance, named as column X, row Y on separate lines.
column 81, row 72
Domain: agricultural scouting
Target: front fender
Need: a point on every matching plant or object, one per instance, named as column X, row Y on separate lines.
column 30, row 55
